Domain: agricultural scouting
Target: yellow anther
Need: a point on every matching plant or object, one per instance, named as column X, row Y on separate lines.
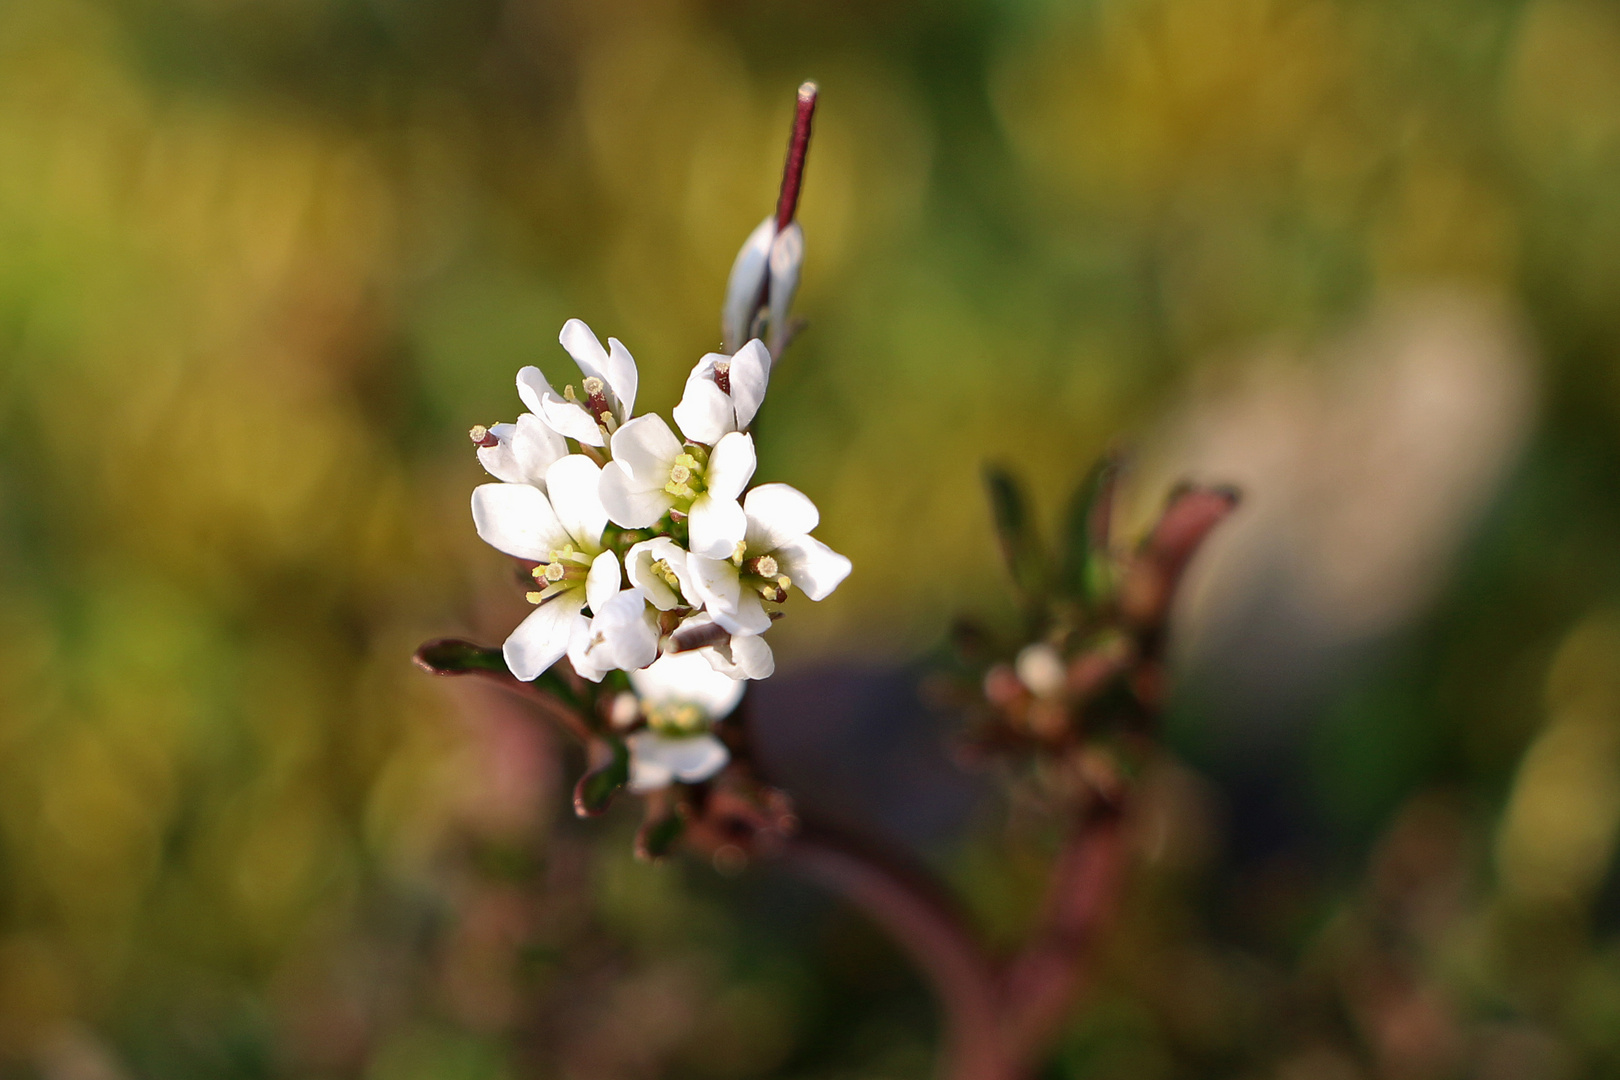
column 534, row 597
column 739, row 551
column 568, row 392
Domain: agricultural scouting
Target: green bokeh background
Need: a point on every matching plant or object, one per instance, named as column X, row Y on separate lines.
column 263, row 262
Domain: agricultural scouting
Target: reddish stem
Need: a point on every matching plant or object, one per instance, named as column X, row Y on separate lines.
column 787, row 203
column 908, row 905
column 1042, row 982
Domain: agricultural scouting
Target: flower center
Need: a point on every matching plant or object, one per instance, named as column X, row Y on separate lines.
column 566, row 569
column 686, row 477
column 661, row 568
column 763, row 574
column 675, row 718
column 722, row 375
column 596, row 403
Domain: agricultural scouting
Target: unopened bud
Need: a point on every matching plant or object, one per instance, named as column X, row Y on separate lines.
column 745, row 289
column 625, row 711
column 1041, row 669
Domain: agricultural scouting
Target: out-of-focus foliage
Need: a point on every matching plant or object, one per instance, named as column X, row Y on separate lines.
column 262, row 262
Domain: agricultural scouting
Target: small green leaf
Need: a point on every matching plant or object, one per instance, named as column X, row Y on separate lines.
column 1015, row 528
column 452, row 656
column 658, row 836
column 595, row 790
column 1085, row 569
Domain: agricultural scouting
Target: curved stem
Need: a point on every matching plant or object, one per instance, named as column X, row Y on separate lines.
column 1042, row 982
column 907, row 904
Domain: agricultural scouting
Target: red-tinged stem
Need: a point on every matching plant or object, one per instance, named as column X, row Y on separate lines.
column 909, row 907
column 787, row 203
column 1042, row 982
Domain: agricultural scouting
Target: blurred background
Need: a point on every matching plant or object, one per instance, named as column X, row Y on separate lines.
column 263, row 262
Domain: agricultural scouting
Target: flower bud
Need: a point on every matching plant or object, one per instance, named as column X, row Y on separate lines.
column 745, row 289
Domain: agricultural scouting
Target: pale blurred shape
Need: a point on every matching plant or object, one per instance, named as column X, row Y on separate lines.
column 1361, row 472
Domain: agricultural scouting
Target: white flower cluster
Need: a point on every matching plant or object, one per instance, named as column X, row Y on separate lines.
column 644, row 544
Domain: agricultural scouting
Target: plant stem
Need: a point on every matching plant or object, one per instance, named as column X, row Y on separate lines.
column 787, row 202
column 907, row 904
column 1042, row 982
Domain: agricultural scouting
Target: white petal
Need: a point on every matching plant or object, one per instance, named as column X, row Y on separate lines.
column 573, row 484
column 587, row 654
column 622, row 635
column 687, row 679
column 746, row 283
column 705, row 412
column 787, row 256
column 751, row 653
column 716, row 526
column 814, row 568
column 524, row 451
column 647, row 448
column 715, row 581
column 742, row 656
column 570, row 418
column 647, row 773
column 498, row 460
column 628, row 505
column 697, row 759
column 533, row 388
column 582, row 344
column 731, row 466
column 750, row 374
column 748, row 616
column 517, row 519
column 540, row 640
column 622, row 377
column 638, row 568
column 602, row 583
column 777, row 513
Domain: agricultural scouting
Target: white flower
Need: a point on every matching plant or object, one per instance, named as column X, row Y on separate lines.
column 561, row 529
column 766, row 268
column 682, row 697
column 623, row 634
column 610, row 388
column 736, row 656
column 723, row 393
column 777, row 553
column 521, row 452
column 652, row 474
column 658, row 568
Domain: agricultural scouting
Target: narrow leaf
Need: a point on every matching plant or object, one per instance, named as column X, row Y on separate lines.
column 1084, row 569
column 1015, row 528
column 452, row 656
